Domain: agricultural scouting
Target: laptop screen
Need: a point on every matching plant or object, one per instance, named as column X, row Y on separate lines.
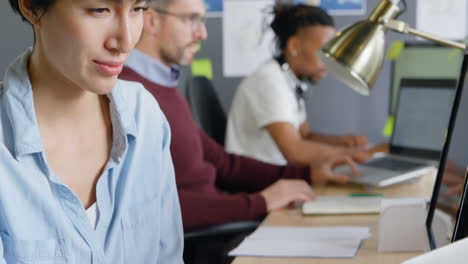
column 453, row 162
column 423, row 105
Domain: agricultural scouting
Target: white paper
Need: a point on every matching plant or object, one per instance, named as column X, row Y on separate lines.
column 245, row 46
column 318, row 242
column 444, row 18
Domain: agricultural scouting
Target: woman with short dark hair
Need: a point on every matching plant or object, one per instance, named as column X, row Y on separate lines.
column 85, row 170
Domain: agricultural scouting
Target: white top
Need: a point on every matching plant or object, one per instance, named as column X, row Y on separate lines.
column 265, row 97
column 92, row 212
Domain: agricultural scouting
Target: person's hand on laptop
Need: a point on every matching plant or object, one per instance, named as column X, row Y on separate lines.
column 323, row 173
column 352, row 141
column 349, row 141
column 285, row 191
column 361, row 156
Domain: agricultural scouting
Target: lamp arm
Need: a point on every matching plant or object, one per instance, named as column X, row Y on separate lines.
column 402, row 27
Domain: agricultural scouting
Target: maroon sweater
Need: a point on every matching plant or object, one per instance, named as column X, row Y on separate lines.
column 204, row 170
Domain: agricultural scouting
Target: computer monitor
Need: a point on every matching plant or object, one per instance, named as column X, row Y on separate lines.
column 453, row 162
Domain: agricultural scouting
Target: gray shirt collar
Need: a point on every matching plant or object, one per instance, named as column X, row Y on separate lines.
column 153, row 70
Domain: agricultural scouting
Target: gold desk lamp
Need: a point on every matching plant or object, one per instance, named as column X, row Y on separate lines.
column 356, row 54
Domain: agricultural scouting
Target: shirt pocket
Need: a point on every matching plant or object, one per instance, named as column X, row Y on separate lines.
column 48, row 251
column 141, row 233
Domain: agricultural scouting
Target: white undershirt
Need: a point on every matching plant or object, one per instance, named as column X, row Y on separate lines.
column 93, row 212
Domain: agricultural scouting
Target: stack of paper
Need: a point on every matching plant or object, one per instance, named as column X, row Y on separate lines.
column 314, row 242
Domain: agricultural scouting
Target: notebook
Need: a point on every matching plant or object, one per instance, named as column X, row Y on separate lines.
column 330, row 205
column 421, row 120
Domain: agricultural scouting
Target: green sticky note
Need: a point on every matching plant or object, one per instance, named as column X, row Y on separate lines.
column 197, row 49
column 202, row 67
column 395, row 50
column 388, row 129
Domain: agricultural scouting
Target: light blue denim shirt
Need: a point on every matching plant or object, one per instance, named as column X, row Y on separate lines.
column 43, row 221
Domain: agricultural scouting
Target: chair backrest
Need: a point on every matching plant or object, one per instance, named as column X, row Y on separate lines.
column 222, row 229
column 206, row 107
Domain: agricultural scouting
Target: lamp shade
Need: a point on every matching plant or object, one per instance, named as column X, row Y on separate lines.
column 356, row 54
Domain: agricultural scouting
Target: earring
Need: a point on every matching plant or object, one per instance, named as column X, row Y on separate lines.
column 294, row 53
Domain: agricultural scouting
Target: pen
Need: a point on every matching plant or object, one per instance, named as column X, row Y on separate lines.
column 366, row 195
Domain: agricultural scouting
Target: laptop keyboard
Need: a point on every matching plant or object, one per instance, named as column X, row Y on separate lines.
column 390, row 163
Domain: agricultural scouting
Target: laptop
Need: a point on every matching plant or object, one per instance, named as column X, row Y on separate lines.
column 451, row 173
column 421, row 120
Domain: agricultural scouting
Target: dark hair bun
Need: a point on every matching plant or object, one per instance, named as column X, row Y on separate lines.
column 289, row 18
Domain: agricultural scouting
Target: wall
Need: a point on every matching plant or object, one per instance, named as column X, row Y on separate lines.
column 15, row 36
column 333, row 108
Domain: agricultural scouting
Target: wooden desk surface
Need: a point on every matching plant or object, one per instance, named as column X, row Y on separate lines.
column 367, row 254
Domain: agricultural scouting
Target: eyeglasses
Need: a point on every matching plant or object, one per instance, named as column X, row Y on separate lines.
column 194, row 19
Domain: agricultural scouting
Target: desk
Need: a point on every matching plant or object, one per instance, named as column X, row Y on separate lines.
column 367, row 254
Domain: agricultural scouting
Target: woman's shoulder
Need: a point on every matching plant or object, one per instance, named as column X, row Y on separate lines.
column 135, row 95
column 138, row 102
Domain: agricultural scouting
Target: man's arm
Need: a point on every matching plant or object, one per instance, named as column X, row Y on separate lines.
column 235, row 172
column 298, row 150
column 202, row 208
column 255, row 188
column 206, row 208
column 347, row 140
column 262, row 187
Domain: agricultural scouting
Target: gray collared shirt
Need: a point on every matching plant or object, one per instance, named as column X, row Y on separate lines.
column 153, row 70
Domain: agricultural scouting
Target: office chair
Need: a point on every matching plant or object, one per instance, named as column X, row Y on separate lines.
column 206, row 108
column 210, row 245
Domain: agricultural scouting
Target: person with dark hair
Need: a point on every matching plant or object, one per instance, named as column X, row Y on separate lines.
column 204, row 171
column 85, row 169
column 267, row 120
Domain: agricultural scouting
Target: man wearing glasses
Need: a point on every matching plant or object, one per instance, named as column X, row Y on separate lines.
column 172, row 30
